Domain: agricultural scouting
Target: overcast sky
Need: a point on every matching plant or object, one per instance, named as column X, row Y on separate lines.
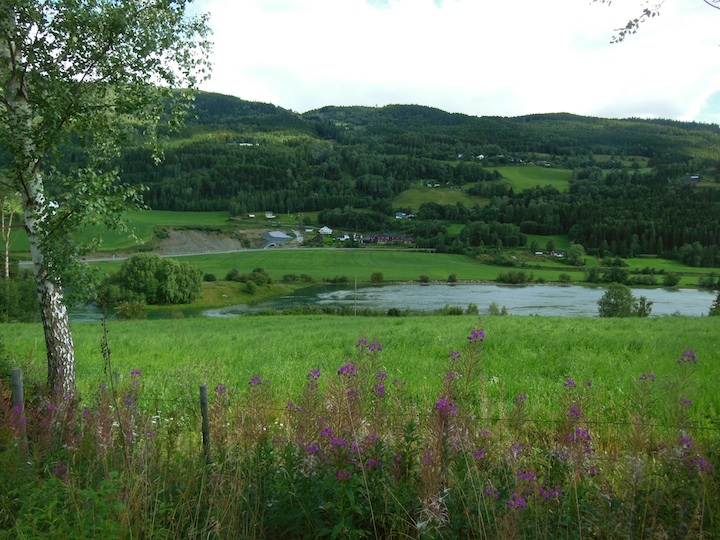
column 478, row 57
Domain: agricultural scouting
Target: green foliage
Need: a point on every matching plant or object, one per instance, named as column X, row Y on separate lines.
column 18, row 299
column 424, row 279
column 154, row 280
column 452, row 278
column 618, row 301
column 131, row 309
column 715, row 307
column 671, row 279
column 515, row 277
column 377, row 277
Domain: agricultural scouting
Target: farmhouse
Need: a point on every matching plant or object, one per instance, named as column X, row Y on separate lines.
column 386, row 238
column 325, row 230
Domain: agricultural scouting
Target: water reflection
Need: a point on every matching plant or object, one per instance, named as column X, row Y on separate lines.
column 550, row 300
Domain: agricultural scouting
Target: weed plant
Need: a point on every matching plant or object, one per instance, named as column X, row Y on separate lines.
column 354, row 453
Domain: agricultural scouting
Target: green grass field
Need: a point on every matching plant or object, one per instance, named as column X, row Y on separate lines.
column 523, row 354
column 528, row 176
column 417, row 195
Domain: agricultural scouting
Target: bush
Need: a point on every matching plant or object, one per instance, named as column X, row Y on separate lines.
column 515, row 277
column 377, row 277
column 565, row 278
column 671, row 280
column 290, row 278
column 424, row 279
column 452, row 278
column 618, row 301
column 131, row 310
column 209, row 277
column 157, row 280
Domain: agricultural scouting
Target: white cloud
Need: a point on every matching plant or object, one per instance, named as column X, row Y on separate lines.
column 471, row 56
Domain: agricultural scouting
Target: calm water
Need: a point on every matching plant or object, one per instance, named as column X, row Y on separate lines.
column 551, row 300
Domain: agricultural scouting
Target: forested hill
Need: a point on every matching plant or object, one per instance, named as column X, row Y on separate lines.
column 351, row 163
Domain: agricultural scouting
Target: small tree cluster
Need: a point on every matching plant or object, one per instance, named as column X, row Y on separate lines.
column 618, row 301
column 153, row 280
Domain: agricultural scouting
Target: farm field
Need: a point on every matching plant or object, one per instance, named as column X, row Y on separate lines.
column 528, row 176
column 417, row 195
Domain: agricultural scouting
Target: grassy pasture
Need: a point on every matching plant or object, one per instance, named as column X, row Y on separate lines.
column 417, row 195
column 528, row 176
column 522, row 354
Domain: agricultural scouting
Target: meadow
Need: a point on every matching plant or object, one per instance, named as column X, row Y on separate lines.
column 522, row 177
column 354, row 427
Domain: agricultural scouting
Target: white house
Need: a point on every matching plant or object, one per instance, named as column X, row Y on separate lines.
column 325, row 230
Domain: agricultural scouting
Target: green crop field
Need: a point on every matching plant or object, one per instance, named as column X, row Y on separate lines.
column 528, row 176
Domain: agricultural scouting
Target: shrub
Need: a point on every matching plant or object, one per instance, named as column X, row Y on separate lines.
column 671, row 280
column 209, row 277
column 515, row 277
column 377, row 277
column 290, row 278
column 424, row 279
column 565, row 278
column 132, row 309
column 618, row 301
column 452, row 278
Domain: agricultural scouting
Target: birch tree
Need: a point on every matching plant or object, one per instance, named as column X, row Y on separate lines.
column 85, row 75
column 9, row 206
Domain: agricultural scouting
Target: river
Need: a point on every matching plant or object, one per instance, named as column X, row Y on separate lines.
column 550, row 300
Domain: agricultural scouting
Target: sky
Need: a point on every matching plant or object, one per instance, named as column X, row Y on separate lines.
column 477, row 57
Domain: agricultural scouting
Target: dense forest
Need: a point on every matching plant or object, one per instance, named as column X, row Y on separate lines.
column 629, row 194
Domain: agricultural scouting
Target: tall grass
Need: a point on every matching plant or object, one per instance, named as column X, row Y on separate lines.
column 353, row 450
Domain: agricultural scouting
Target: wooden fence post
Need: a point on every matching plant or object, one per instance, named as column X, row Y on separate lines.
column 205, row 422
column 18, row 404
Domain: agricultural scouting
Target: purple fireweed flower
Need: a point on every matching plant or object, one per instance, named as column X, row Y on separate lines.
column 379, row 389
column 686, row 402
column 569, row 383
column 349, row 370
column 371, row 439
column 494, row 493
column 476, row 336
column 701, row 465
column 326, row 432
column 520, row 399
column 352, row 393
column 314, row 374
column 362, row 342
column 552, row 493
column 220, row 388
column 86, row 412
column 381, row 375
column 338, row 442
column 445, row 406
column 647, row 377
column 574, row 412
column 485, row 432
column 517, row 450
column 685, row 442
column 588, row 383
column 375, row 347
column 17, row 409
column 450, row 376
column 343, row 475
column 255, row 381
column 526, row 475
column 479, row 454
column 454, row 356
column 292, row 407
column 592, row 471
column 689, row 356
column 50, row 407
column 135, row 372
column 517, row 502
column 312, row 448
column 371, row 463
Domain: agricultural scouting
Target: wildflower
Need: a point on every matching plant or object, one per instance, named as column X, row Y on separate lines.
column 343, row 475
column 352, row 393
column 326, row 432
column 135, row 372
column 348, row 370
column 312, row 448
column 220, row 389
column 520, row 399
column 454, row 356
column 588, row 383
column 379, row 389
column 292, row 407
column 50, row 407
column 479, row 454
column 494, row 493
column 485, row 432
column 255, row 381
column 526, row 476
column 450, row 376
column 686, row 402
column 517, row 450
column 314, row 374
column 61, row 472
column 552, row 493
column 569, row 383
column 445, row 406
column 647, row 377
column 371, row 463
column 362, row 342
column 381, row 376
column 476, row 336
column 374, row 347
column 86, row 412
column 689, row 356
column 338, row 442
column 575, row 412
column 517, row 502
column 701, row 465
column 685, row 442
